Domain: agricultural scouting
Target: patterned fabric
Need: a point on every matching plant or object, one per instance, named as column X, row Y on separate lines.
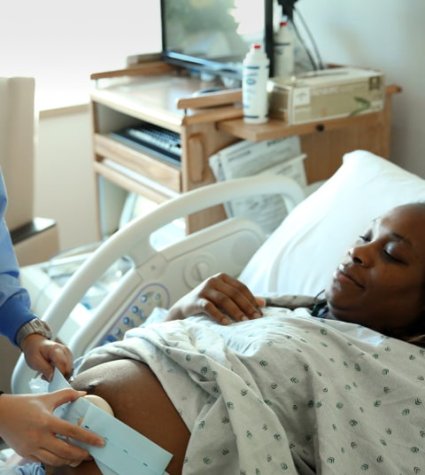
column 287, row 393
column 317, row 307
column 26, row 469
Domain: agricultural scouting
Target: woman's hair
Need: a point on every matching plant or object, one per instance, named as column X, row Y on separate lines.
column 415, row 333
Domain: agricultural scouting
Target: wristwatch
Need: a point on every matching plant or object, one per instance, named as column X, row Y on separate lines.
column 33, row 326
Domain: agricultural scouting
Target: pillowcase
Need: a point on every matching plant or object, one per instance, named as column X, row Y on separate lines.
column 304, row 251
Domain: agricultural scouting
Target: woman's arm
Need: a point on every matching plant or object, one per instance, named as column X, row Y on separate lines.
column 222, row 298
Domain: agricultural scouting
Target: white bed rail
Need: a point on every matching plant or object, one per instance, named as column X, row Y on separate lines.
column 133, row 241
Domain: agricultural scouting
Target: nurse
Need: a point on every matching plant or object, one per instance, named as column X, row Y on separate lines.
column 27, row 423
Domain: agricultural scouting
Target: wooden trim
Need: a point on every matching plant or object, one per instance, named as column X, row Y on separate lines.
column 171, row 120
column 212, row 99
column 274, row 129
column 151, row 168
column 151, row 68
column 213, row 115
column 129, row 184
column 393, row 89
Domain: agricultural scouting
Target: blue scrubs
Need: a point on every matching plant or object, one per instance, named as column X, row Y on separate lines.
column 14, row 300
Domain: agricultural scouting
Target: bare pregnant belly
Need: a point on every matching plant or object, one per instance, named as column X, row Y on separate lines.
column 138, row 399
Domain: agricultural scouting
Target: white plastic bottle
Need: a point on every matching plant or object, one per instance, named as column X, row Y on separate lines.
column 283, row 51
column 255, row 74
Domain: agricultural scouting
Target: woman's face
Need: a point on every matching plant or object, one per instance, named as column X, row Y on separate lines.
column 381, row 283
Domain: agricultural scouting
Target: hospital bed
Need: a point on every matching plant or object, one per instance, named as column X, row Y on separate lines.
column 299, row 257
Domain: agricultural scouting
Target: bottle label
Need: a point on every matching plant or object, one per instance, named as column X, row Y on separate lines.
column 255, row 74
column 250, row 81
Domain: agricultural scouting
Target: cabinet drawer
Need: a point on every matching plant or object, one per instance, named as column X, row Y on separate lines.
column 166, row 174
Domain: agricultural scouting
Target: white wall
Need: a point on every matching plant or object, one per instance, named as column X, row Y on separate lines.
column 64, row 179
column 61, row 48
column 62, row 43
column 388, row 35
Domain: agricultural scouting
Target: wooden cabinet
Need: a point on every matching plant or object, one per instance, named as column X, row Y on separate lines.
column 157, row 93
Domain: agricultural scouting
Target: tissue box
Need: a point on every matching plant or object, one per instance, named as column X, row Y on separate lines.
column 326, row 94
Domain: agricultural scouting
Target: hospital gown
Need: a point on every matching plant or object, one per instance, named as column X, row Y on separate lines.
column 287, row 393
column 26, row 469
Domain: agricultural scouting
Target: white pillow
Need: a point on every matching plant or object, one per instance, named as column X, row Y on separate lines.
column 303, row 252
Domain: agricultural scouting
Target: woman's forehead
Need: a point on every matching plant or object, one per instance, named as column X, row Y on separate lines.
column 407, row 214
column 407, row 221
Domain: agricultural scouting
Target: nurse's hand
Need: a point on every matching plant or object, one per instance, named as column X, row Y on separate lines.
column 44, row 355
column 222, row 298
column 27, row 425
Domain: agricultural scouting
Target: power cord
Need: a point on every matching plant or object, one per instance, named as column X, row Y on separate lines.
column 288, row 9
column 311, row 37
column 303, row 44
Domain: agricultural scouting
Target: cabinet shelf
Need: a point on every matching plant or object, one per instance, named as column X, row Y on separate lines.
column 133, row 181
column 151, row 99
column 274, row 129
column 153, row 169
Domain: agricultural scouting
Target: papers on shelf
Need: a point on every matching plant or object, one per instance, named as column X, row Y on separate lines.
column 245, row 158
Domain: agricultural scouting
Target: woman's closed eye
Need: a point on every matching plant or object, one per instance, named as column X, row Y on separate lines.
column 388, row 251
column 393, row 256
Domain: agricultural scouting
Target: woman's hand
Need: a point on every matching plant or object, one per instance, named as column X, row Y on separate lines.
column 222, row 298
column 29, row 427
column 44, row 355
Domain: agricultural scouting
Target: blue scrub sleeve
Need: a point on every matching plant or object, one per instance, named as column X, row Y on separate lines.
column 15, row 304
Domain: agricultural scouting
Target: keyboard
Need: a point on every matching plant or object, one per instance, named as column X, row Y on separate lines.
column 165, row 143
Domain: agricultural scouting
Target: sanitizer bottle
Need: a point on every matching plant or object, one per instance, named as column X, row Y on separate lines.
column 255, row 74
column 283, row 51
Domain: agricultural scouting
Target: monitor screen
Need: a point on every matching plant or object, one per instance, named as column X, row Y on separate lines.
column 215, row 34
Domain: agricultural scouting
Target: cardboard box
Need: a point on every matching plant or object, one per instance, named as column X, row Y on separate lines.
column 326, row 94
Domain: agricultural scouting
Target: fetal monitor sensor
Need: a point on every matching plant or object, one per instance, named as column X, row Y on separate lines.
column 100, row 403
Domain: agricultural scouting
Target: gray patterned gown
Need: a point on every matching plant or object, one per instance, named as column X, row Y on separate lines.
column 288, row 393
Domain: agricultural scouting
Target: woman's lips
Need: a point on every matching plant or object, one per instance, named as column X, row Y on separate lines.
column 344, row 274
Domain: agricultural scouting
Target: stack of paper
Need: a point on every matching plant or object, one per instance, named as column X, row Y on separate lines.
column 280, row 157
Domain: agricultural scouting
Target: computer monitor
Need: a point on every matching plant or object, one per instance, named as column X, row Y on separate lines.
column 215, row 35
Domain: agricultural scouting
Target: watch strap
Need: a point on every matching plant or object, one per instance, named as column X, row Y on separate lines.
column 34, row 326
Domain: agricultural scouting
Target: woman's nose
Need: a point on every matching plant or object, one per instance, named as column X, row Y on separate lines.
column 359, row 255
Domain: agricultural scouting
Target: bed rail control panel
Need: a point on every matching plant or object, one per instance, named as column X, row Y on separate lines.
column 151, row 296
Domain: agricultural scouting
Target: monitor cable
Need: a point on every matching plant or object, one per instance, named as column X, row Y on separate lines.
column 320, row 63
column 304, row 46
